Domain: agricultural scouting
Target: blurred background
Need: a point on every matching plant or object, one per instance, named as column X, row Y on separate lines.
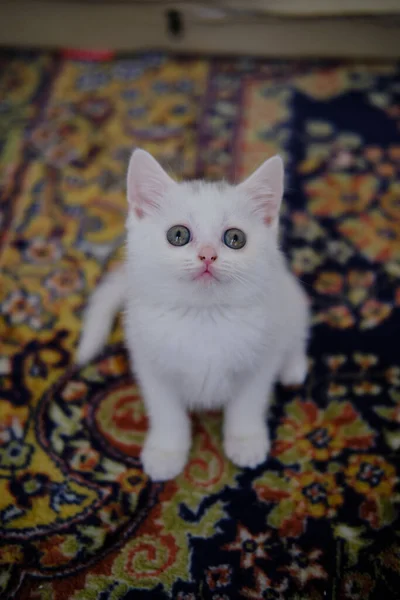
column 365, row 28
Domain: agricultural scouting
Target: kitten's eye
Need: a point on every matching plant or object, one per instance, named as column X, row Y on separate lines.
column 178, row 235
column 235, row 239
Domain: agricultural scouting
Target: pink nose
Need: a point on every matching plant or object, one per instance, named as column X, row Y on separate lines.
column 208, row 255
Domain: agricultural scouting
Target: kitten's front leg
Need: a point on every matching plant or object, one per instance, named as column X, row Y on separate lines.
column 166, row 448
column 246, row 437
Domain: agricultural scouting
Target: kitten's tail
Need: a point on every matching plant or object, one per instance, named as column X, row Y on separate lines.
column 103, row 305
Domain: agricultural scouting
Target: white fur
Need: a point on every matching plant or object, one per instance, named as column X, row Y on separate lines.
column 201, row 344
column 104, row 303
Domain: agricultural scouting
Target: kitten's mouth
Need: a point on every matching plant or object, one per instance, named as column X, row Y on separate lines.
column 205, row 275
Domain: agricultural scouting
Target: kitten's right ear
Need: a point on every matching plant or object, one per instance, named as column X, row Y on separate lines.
column 264, row 188
column 147, row 183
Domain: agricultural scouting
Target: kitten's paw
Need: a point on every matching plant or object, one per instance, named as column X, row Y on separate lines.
column 161, row 464
column 295, row 371
column 247, row 451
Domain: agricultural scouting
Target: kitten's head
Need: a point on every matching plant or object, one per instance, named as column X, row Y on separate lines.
column 195, row 242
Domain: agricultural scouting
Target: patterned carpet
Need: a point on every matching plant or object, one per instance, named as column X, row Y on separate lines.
column 78, row 518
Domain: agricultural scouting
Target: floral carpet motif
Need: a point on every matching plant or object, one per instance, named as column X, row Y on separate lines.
column 78, row 518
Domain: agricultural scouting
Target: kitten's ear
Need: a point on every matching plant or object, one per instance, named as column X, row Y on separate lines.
column 265, row 189
column 147, row 183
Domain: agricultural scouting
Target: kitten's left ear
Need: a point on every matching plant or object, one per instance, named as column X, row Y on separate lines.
column 147, row 183
column 264, row 188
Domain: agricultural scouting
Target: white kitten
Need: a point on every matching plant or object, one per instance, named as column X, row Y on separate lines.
column 213, row 316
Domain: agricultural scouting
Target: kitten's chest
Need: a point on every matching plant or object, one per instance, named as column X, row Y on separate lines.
column 207, row 349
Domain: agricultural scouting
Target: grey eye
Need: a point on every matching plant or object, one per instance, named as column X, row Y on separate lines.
column 235, row 239
column 178, row 235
